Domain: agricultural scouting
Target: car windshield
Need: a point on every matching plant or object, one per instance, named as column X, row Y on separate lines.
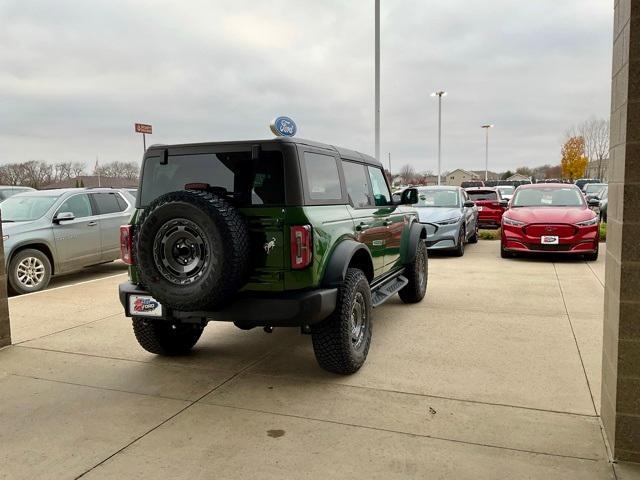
column 548, row 197
column 27, row 208
column 593, row 188
column 506, row 190
column 479, row 195
column 438, row 198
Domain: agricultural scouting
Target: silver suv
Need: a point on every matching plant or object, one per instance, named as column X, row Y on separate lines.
column 49, row 232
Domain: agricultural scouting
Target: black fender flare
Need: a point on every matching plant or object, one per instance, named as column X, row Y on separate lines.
column 409, row 243
column 341, row 256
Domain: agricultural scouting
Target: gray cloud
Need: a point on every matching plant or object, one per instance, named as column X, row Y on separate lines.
column 76, row 75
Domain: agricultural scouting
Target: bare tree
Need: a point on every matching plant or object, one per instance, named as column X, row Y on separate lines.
column 128, row 170
column 595, row 132
column 77, row 169
column 407, row 174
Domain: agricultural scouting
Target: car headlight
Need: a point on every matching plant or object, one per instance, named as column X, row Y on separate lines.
column 5, row 237
column 510, row 221
column 449, row 221
column 589, row 223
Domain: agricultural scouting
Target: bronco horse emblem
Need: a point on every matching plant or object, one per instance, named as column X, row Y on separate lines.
column 269, row 245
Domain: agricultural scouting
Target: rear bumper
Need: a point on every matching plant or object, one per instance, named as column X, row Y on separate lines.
column 493, row 221
column 290, row 309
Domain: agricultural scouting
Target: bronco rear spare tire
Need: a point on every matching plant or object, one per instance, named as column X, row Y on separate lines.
column 192, row 250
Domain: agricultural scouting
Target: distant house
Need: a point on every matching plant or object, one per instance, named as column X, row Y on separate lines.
column 459, row 175
column 91, row 181
column 490, row 175
column 518, row 177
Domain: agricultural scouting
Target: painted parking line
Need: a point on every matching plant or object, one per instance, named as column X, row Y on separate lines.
column 67, row 286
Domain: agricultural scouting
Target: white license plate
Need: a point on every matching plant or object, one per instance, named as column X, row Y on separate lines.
column 549, row 240
column 144, row 306
column 479, row 209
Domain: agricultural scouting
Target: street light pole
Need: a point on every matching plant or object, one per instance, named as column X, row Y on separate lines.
column 486, row 152
column 439, row 94
column 377, row 79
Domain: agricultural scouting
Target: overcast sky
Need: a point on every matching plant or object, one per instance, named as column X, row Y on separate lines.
column 76, row 75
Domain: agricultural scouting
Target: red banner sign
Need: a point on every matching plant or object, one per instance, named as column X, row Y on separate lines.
column 143, row 128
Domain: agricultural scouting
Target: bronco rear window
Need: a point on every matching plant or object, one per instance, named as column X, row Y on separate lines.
column 249, row 182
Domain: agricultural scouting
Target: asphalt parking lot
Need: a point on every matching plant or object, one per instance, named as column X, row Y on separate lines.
column 495, row 375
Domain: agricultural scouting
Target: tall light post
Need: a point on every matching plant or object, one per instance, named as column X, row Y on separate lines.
column 439, row 94
column 377, row 78
column 486, row 152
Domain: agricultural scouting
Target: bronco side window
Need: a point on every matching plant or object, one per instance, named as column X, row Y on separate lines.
column 323, row 179
column 381, row 193
column 355, row 179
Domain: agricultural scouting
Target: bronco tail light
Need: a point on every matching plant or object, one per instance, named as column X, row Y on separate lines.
column 126, row 244
column 301, row 252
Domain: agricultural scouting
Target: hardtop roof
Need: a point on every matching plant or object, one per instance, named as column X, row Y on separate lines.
column 345, row 153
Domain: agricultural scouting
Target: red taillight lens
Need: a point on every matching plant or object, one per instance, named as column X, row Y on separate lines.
column 126, row 244
column 301, row 251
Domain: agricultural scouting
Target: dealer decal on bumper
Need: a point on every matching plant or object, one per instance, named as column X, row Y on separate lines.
column 144, row 306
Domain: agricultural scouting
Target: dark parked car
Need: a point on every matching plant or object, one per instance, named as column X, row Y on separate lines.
column 550, row 218
column 490, row 205
column 472, row 183
column 581, row 182
column 604, row 202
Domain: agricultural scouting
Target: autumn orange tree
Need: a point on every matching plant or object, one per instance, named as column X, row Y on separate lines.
column 574, row 162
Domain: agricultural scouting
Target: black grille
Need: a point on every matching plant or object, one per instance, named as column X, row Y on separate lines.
column 549, row 248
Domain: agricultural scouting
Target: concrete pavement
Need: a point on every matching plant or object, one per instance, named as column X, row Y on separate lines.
column 495, row 375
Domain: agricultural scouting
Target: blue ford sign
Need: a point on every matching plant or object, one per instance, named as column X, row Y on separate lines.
column 283, row 127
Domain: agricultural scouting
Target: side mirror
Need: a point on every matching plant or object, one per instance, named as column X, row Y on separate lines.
column 594, row 202
column 63, row 216
column 469, row 203
column 504, row 203
column 409, row 197
column 396, row 198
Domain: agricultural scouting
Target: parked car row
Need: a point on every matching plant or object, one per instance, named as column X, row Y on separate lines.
column 534, row 218
column 48, row 232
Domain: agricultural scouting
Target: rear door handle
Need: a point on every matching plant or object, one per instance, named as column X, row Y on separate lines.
column 362, row 227
column 92, row 223
column 386, row 223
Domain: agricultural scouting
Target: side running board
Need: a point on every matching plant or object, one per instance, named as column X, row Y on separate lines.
column 382, row 293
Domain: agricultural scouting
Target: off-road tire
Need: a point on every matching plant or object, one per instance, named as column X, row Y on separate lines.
column 416, row 289
column 474, row 238
column 43, row 266
column 165, row 338
column 332, row 340
column 458, row 251
column 225, row 239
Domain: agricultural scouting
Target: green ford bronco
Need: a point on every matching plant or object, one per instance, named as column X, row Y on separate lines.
column 271, row 233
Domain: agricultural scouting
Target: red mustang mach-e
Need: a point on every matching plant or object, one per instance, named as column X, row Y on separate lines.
column 550, row 218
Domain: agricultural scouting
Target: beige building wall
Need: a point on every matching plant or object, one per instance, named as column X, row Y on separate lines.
column 621, row 342
column 458, row 176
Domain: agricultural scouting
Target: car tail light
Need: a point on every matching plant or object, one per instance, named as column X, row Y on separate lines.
column 126, row 244
column 301, row 252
